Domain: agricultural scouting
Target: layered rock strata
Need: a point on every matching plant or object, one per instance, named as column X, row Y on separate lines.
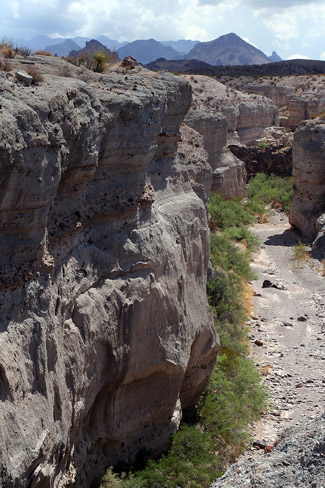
column 106, row 334
column 298, row 97
column 247, row 115
column 219, row 113
column 309, row 178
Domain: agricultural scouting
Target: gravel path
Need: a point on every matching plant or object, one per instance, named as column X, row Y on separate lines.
column 289, row 319
column 288, row 344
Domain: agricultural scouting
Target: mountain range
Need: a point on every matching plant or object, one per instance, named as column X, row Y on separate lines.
column 226, row 50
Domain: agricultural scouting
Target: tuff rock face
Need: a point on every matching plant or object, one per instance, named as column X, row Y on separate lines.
column 106, row 334
column 247, row 115
column 298, row 97
column 309, row 178
column 219, row 113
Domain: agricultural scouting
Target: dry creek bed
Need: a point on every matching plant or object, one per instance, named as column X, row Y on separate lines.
column 287, row 334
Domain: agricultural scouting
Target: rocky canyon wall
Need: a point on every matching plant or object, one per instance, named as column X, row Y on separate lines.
column 220, row 115
column 309, row 181
column 106, row 334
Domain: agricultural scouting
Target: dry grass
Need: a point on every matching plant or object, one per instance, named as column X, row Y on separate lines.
column 5, row 65
column 37, row 76
column 41, row 52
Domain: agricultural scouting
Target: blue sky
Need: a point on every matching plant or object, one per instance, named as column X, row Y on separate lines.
column 293, row 28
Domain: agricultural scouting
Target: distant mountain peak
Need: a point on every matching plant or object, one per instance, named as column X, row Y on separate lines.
column 275, row 58
column 147, row 50
column 227, row 50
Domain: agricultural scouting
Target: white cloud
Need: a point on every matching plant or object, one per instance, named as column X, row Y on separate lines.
column 322, row 56
column 285, row 25
column 298, row 56
column 249, row 41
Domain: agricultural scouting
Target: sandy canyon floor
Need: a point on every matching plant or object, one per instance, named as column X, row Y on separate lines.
column 287, row 329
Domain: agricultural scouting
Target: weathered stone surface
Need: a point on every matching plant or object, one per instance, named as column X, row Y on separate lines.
column 297, row 460
column 229, row 178
column 206, row 117
column 105, row 328
column 24, row 77
column 247, row 115
column 298, row 97
column 309, row 177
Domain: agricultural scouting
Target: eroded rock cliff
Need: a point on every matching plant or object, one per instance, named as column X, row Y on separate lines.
column 221, row 114
column 106, row 334
column 309, row 178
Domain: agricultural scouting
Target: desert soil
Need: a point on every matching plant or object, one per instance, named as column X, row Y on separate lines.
column 287, row 330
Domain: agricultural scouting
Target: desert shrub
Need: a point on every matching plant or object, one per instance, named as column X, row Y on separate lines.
column 300, row 253
column 235, row 382
column 243, row 235
column 7, row 48
column 5, row 65
column 23, row 51
column 37, row 76
column 101, row 59
column 228, row 213
column 110, row 480
column 271, row 190
column 41, row 52
column 190, row 463
column 229, row 257
column 262, row 145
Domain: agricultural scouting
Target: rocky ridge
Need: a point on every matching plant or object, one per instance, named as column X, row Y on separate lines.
column 106, row 331
column 298, row 97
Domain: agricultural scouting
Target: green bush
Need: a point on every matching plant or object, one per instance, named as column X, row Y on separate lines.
column 190, row 463
column 271, row 190
column 228, row 213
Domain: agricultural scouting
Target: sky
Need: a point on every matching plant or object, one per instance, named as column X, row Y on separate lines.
column 293, row 28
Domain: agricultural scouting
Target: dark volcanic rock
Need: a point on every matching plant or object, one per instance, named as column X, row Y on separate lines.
column 275, row 160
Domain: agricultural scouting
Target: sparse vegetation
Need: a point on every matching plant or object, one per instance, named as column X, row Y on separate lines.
column 98, row 61
column 41, row 52
column 8, row 49
column 37, row 76
column 300, row 253
column 5, row 65
column 262, row 145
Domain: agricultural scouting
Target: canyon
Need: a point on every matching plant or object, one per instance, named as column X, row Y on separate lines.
column 106, row 333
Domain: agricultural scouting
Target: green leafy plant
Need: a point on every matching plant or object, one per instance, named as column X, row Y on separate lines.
column 272, row 190
column 101, row 58
column 262, row 145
